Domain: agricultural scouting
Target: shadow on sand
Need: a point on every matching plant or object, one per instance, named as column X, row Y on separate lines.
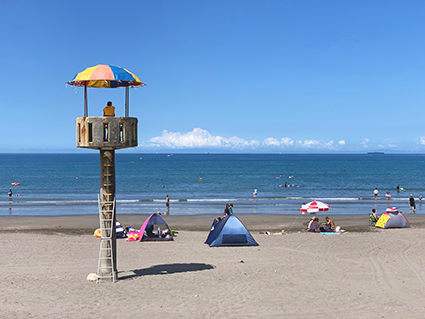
column 167, row 269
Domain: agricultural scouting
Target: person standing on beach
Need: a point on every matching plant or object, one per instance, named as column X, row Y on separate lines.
column 375, row 192
column 167, row 204
column 255, row 192
column 412, row 204
column 231, row 209
column 10, row 193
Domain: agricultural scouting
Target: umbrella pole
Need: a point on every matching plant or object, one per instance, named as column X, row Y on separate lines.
column 127, row 97
column 86, row 111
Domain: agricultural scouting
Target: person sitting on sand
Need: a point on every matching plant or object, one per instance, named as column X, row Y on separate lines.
column 313, row 225
column 329, row 226
column 375, row 217
column 215, row 221
column 226, row 210
column 231, row 209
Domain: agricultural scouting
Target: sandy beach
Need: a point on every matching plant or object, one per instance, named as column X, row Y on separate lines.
column 362, row 273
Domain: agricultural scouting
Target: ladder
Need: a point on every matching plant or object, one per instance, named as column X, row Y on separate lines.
column 105, row 267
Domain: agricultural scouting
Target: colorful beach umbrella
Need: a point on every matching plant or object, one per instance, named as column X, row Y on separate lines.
column 106, row 76
column 314, row 207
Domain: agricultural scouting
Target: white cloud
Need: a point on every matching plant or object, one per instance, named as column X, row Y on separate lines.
column 422, row 140
column 286, row 141
column 200, row 138
column 307, row 144
column 271, row 141
column 364, row 143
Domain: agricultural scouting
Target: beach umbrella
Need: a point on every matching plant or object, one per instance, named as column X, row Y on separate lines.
column 106, row 76
column 314, row 207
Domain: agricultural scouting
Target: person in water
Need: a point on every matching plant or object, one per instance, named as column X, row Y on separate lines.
column 412, row 204
column 375, row 192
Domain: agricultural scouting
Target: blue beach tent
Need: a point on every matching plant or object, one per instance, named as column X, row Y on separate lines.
column 230, row 232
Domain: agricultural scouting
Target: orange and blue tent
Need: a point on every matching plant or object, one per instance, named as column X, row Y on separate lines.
column 392, row 218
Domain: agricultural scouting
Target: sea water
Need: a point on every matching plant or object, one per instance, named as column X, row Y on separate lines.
column 65, row 184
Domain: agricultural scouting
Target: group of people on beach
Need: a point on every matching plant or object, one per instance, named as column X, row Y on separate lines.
column 228, row 210
column 313, row 225
column 412, row 202
column 412, row 205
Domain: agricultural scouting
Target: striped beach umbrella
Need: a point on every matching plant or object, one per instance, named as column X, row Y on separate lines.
column 106, row 76
column 314, row 207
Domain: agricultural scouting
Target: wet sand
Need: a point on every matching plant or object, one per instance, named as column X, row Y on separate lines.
column 86, row 224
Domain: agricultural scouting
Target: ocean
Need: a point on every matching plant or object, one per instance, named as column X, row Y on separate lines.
column 68, row 184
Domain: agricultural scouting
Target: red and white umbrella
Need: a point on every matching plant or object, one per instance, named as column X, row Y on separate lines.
column 314, row 207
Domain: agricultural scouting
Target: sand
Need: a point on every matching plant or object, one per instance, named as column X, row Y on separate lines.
column 362, row 273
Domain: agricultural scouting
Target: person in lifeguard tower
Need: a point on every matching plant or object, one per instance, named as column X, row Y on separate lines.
column 109, row 110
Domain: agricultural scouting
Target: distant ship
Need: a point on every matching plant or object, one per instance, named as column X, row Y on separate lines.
column 375, row 153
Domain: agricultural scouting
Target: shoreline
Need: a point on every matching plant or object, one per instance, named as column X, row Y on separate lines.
column 255, row 223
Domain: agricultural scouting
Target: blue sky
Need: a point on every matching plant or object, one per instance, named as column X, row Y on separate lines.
column 222, row 76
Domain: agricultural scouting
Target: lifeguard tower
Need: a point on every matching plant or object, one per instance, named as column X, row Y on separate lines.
column 106, row 133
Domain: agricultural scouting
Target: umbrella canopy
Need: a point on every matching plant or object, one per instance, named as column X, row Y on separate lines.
column 314, row 207
column 106, row 76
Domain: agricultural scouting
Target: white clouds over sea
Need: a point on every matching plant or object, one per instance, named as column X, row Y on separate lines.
column 201, row 139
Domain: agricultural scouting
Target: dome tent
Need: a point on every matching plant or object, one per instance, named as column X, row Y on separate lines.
column 392, row 218
column 230, row 232
column 155, row 229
